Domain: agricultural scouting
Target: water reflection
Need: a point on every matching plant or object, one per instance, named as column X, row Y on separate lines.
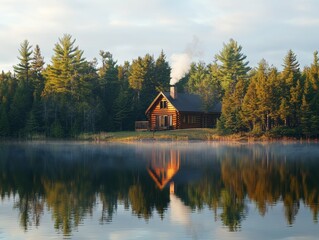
column 163, row 166
column 70, row 180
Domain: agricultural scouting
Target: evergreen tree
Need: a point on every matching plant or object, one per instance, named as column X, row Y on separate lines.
column 23, row 69
column 233, row 65
column 270, row 98
column 8, row 85
column 137, row 76
column 232, row 107
column 21, row 105
column 267, row 87
column 31, row 125
column 284, row 111
column 122, row 110
column 202, row 81
column 311, row 96
column 250, row 107
column 291, row 90
column 123, row 103
column 37, row 68
column 162, row 73
column 67, row 84
column 142, row 81
column 4, row 121
column 150, row 86
column 233, row 74
column 22, row 98
column 306, row 124
column 110, row 87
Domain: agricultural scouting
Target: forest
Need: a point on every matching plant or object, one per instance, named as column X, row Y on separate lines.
column 69, row 94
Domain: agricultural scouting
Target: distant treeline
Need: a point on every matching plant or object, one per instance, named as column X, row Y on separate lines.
column 71, row 95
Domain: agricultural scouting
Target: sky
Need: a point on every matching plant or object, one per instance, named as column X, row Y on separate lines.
column 132, row 28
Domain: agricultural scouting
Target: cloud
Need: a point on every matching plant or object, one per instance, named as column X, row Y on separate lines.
column 130, row 29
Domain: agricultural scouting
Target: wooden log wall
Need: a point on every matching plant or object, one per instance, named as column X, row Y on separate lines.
column 158, row 111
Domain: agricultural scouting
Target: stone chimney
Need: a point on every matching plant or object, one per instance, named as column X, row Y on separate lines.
column 173, row 92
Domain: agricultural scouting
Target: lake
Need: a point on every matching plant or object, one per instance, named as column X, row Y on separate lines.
column 159, row 190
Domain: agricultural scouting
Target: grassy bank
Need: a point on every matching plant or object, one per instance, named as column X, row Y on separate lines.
column 202, row 134
column 174, row 135
column 199, row 134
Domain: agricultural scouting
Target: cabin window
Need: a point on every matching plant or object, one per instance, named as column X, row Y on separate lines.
column 189, row 119
column 163, row 104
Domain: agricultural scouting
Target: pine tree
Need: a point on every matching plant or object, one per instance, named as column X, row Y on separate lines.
column 4, row 121
column 162, row 73
column 306, row 124
column 250, row 107
column 110, row 87
column 137, row 76
column 23, row 69
column 142, row 81
column 233, row 75
column 263, row 95
column 284, row 111
column 67, row 84
column 232, row 107
column 31, row 125
column 37, row 67
column 203, row 82
column 122, row 110
column 291, row 90
column 311, row 96
column 21, row 105
column 233, row 66
column 22, row 98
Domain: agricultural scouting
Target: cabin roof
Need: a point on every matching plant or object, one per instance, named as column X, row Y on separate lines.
column 186, row 102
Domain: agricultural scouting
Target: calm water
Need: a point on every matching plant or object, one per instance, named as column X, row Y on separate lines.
column 56, row 190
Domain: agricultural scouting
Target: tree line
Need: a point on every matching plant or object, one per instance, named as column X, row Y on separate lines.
column 71, row 95
column 261, row 100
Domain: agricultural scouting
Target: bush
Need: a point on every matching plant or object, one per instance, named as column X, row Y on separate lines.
column 56, row 130
column 283, row 131
column 257, row 131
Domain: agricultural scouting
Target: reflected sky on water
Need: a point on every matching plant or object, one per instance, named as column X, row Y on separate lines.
column 186, row 190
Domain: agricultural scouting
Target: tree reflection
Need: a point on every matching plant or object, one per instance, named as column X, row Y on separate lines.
column 31, row 209
column 234, row 210
column 70, row 185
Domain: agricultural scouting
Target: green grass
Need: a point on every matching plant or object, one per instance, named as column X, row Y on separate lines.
column 203, row 134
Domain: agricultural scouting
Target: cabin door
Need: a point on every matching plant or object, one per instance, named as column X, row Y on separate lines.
column 164, row 121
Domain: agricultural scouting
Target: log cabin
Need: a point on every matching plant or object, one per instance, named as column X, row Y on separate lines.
column 172, row 110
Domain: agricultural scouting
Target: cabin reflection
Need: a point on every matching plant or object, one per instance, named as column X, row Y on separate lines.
column 163, row 166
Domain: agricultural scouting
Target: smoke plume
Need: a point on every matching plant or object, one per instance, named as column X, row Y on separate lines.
column 180, row 66
column 181, row 62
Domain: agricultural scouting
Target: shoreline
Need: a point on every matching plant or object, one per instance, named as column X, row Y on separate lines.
column 203, row 134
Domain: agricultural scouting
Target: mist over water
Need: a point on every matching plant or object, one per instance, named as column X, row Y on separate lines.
column 200, row 190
